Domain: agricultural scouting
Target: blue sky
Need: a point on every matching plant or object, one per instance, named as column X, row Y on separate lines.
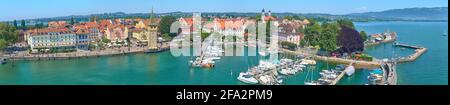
column 27, row 9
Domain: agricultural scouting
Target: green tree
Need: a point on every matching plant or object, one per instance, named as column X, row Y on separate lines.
column 39, row 25
column 23, row 25
column 363, row 35
column 346, row 22
column 312, row 34
column 166, row 22
column 205, row 35
column 8, row 34
column 288, row 45
column 322, row 36
column 258, row 17
column 72, row 21
column 328, row 38
column 105, row 40
column 3, row 44
column 288, row 17
column 15, row 24
column 166, row 37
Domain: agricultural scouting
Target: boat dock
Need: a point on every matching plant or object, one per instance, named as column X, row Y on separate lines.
column 339, row 77
column 389, row 73
column 419, row 51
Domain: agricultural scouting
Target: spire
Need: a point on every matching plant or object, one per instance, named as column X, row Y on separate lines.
column 152, row 18
column 270, row 13
column 152, row 14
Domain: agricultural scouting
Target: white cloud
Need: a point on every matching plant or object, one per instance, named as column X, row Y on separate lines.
column 363, row 8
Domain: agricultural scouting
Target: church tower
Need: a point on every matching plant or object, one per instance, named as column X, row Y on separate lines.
column 263, row 16
column 152, row 33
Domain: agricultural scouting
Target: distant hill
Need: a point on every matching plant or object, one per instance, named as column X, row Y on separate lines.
column 436, row 13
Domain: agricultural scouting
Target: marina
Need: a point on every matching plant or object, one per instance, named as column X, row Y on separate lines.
column 208, row 56
column 162, row 68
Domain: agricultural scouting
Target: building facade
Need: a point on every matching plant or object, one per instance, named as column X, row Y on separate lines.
column 82, row 36
column 116, row 33
column 51, row 39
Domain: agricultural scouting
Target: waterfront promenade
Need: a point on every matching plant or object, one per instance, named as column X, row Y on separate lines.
column 357, row 63
column 24, row 55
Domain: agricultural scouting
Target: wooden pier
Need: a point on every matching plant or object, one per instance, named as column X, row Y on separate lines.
column 338, row 78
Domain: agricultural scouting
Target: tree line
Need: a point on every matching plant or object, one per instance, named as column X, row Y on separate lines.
column 8, row 35
column 335, row 36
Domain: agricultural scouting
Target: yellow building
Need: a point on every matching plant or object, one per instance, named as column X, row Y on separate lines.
column 140, row 35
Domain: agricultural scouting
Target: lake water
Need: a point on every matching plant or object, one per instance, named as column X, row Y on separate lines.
column 165, row 69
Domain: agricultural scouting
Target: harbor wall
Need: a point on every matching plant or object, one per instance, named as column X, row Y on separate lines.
column 356, row 63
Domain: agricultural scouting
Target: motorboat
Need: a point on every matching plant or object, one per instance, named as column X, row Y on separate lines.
column 312, row 83
column 302, row 66
column 325, row 80
column 3, row 60
column 350, row 70
column 265, row 79
column 308, row 62
column 247, row 78
column 328, row 74
column 279, row 80
column 284, row 72
column 262, row 53
column 340, row 67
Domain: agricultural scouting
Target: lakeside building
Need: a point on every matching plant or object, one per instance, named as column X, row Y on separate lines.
column 379, row 37
column 82, row 39
column 61, row 39
column 116, row 33
column 234, row 26
column 140, row 32
column 92, row 29
column 186, row 25
column 289, row 30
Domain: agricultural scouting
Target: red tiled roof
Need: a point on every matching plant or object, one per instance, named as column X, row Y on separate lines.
column 48, row 30
column 267, row 18
column 91, row 25
column 82, row 31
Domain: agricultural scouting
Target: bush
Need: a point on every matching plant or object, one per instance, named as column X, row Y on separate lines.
column 288, row 45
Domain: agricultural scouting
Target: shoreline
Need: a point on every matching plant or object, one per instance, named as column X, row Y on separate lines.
column 82, row 54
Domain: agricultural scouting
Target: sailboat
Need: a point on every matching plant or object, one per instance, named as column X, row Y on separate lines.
column 310, row 81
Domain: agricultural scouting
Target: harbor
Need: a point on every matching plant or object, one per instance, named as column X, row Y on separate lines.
column 162, row 68
column 269, row 73
column 209, row 54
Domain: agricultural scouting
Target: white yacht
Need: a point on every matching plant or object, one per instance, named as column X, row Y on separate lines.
column 312, row 83
column 284, row 72
column 247, row 78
